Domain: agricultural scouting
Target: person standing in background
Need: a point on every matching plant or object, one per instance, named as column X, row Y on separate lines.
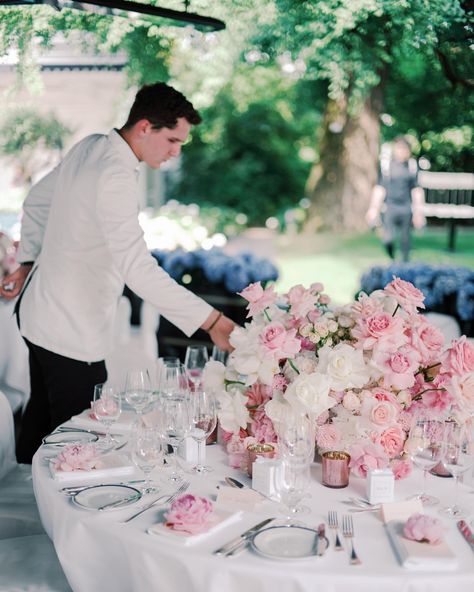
column 80, row 243
column 397, row 200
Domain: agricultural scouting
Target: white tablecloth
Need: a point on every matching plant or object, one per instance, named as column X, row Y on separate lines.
column 99, row 553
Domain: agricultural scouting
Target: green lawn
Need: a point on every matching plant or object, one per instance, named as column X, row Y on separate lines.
column 339, row 260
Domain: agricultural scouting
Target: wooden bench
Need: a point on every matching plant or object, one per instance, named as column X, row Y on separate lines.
column 450, row 197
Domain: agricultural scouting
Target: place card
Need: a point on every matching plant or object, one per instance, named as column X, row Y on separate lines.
column 400, row 510
column 245, row 499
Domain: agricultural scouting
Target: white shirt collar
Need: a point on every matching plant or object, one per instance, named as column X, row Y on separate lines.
column 123, row 148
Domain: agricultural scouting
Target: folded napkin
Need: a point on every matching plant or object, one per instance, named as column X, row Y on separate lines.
column 113, row 465
column 420, row 556
column 219, row 520
column 232, row 499
column 86, row 421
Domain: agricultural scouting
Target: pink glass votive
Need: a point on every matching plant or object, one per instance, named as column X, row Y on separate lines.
column 254, row 450
column 336, row 469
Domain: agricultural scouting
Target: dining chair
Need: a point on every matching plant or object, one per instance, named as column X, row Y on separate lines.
column 27, row 556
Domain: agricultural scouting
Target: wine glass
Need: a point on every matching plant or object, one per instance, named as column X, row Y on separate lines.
column 195, row 359
column 146, row 453
column 174, row 425
column 458, row 458
column 107, row 407
column 173, row 381
column 138, row 391
column 219, row 355
column 161, row 364
column 425, row 447
column 204, row 419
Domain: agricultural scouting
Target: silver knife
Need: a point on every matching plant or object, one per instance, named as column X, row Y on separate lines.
column 241, row 538
column 119, row 502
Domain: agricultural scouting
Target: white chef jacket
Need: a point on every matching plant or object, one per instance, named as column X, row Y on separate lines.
column 80, row 227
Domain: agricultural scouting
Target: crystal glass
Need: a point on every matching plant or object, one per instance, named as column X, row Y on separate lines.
column 174, row 425
column 425, row 446
column 161, row 364
column 293, row 487
column 195, row 360
column 173, row 381
column 138, row 391
column 146, row 453
column 458, row 459
column 107, row 407
column 204, row 419
column 219, row 355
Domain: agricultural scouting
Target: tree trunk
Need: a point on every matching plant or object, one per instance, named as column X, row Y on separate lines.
column 340, row 185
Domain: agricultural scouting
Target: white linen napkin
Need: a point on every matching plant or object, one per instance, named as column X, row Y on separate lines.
column 114, row 465
column 420, row 556
column 123, row 424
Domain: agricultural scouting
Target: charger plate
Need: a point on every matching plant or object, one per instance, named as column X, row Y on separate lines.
column 97, row 496
column 65, row 438
column 289, row 542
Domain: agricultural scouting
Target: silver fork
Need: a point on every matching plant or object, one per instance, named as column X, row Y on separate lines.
column 348, row 533
column 162, row 500
column 332, row 521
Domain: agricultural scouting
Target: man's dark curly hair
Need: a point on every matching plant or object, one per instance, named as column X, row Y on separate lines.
column 162, row 105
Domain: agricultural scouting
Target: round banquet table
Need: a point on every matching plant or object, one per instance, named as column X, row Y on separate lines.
column 100, row 553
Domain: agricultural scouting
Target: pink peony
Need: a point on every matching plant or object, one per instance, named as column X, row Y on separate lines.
column 262, row 428
column 279, row 343
column 258, row 394
column 328, row 437
column 365, row 457
column 190, row 514
column 401, row 468
column 424, row 529
column 392, row 440
column 398, row 367
column 77, row 457
column 301, row 301
column 458, row 358
column 258, row 298
column 406, row 295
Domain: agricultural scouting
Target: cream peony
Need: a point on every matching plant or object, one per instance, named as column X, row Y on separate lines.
column 310, row 393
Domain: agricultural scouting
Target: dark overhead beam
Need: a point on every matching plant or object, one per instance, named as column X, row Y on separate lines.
column 117, row 7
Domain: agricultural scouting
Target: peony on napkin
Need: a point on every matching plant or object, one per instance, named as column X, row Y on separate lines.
column 79, row 462
column 87, row 420
column 417, row 556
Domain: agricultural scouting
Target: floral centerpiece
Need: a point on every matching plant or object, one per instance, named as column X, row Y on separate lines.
column 361, row 371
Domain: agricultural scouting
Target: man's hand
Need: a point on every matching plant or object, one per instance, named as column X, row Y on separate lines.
column 373, row 217
column 219, row 328
column 13, row 283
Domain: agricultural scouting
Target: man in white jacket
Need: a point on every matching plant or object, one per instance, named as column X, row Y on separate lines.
column 80, row 242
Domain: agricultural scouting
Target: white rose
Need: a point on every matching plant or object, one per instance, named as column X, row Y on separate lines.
column 310, row 393
column 404, row 398
column 321, row 329
column 351, row 401
column 305, row 330
column 233, row 413
column 345, row 366
column 213, row 375
column 332, row 326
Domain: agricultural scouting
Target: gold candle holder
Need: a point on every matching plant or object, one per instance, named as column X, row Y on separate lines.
column 254, row 450
column 336, row 469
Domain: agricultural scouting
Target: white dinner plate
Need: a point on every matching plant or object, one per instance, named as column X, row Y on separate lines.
column 65, row 438
column 97, row 496
column 287, row 542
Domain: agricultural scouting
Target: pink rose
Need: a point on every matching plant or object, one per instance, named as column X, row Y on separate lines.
column 437, row 400
column 324, row 299
column 316, row 287
column 427, row 339
column 328, row 437
column 401, row 468
column 392, row 440
column 314, row 315
column 258, row 298
column 380, row 330
column 462, row 389
column 262, row 428
column 190, row 514
column 382, row 413
column 322, row 418
column 365, row 457
column 77, row 457
column 424, row 529
column 459, row 357
column 279, row 343
column 367, row 305
column 301, row 301
column 406, row 295
column 258, row 394
column 399, row 367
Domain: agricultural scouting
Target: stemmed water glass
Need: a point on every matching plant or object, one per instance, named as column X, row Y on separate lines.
column 425, row 447
column 173, row 381
column 146, row 452
column 174, row 425
column 293, row 486
column 219, row 355
column 195, row 360
column 107, row 407
column 161, row 364
column 458, row 458
column 138, row 391
column 204, row 419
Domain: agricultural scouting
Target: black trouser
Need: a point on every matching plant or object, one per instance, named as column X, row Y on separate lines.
column 397, row 221
column 60, row 387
